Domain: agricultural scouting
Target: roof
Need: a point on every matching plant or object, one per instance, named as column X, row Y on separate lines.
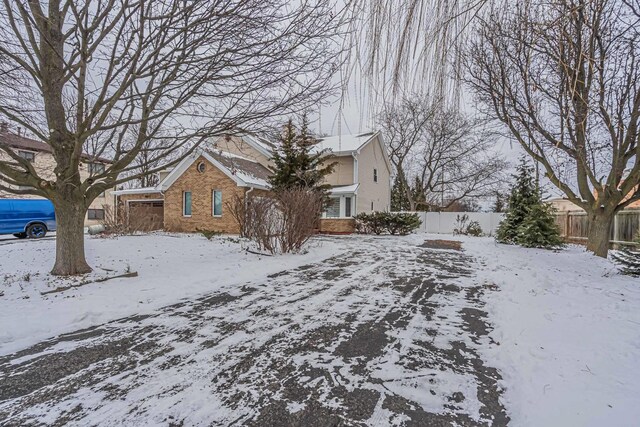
column 345, row 144
column 144, row 190
column 245, row 172
column 20, row 142
column 249, row 171
column 345, row 189
column 263, row 146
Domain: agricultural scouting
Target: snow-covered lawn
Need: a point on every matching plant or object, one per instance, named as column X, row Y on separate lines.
column 569, row 331
column 366, row 330
column 170, row 267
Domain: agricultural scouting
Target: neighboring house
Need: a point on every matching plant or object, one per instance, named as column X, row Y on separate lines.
column 40, row 155
column 196, row 194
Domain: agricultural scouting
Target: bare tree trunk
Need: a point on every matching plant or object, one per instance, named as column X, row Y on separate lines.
column 599, row 232
column 70, row 258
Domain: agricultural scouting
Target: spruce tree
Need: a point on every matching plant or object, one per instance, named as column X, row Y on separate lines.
column 523, row 196
column 629, row 259
column 539, row 229
column 296, row 163
column 529, row 221
column 419, row 197
column 399, row 199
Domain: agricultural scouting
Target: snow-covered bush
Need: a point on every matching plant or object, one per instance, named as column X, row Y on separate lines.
column 467, row 228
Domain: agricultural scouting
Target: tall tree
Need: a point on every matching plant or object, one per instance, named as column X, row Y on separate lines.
column 297, row 161
column 119, row 71
column 449, row 153
column 399, row 198
column 563, row 76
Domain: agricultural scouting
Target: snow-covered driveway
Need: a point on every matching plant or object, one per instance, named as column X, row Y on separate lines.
column 378, row 334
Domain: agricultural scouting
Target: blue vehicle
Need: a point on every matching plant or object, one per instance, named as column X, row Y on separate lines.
column 23, row 218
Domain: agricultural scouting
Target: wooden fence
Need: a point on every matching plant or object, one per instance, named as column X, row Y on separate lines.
column 573, row 226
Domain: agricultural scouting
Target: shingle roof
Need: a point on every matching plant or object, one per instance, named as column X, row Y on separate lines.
column 247, row 170
column 20, row 142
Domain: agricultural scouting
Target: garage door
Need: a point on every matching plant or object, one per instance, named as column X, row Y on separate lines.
column 146, row 215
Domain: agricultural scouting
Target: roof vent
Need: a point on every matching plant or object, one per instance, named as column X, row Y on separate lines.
column 4, row 126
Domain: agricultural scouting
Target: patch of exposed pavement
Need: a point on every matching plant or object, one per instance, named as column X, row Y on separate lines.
column 381, row 334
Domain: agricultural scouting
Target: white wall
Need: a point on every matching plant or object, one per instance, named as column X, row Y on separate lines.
column 445, row 222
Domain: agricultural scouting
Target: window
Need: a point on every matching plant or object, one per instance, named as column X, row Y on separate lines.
column 347, row 207
column 95, row 168
column 95, row 214
column 186, row 203
column 27, row 155
column 333, row 208
column 217, row 203
column 375, row 175
column 371, row 206
column 201, row 167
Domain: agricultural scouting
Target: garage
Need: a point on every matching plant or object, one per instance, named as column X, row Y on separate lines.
column 146, row 215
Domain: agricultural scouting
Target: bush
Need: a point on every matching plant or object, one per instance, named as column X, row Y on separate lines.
column 209, row 234
column 466, row 228
column 387, row 222
column 282, row 223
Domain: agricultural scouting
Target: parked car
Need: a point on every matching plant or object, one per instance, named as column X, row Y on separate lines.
column 23, row 218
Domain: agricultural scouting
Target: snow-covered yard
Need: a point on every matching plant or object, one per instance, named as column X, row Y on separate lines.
column 360, row 330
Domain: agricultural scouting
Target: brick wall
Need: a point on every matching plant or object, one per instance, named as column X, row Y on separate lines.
column 337, row 226
column 201, row 186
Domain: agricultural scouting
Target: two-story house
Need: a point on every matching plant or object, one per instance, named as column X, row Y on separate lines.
column 193, row 195
column 41, row 157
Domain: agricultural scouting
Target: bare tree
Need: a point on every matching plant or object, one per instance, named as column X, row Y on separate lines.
column 447, row 154
column 118, row 72
column 563, row 77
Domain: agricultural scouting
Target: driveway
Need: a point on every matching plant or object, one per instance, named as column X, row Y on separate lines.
column 385, row 332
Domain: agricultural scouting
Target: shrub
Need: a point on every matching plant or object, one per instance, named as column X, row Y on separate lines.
column 474, row 229
column 282, row 223
column 467, row 228
column 209, row 234
column 387, row 222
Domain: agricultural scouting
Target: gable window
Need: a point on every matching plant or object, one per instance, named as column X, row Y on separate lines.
column 95, row 214
column 27, row 155
column 186, row 203
column 217, row 203
column 95, row 168
column 371, row 206
column 375, row 175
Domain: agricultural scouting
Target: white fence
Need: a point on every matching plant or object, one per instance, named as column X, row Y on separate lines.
column 445, row 222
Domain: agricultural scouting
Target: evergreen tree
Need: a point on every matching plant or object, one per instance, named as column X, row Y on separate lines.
column 523, row 196
column 419, row 197
column 529, row 221
column 628, row 259
column 539, row 229
column 296, row 164
column 399, row 198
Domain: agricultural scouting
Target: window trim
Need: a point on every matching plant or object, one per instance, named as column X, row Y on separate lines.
column 184, row 204
column 32, row 153
column 92, row 165
column 94, row 210
column 213, row 203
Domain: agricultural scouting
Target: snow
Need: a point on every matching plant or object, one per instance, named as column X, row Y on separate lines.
column 344, row 143
column 170, row 267
column 568, row 326
column 565, row 335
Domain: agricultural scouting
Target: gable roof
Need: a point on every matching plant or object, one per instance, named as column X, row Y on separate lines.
column 346, row 144
column 20, row 142
column 244, row 172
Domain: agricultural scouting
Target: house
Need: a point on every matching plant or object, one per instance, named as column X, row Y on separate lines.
column 41, row 157
column 197, row 193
